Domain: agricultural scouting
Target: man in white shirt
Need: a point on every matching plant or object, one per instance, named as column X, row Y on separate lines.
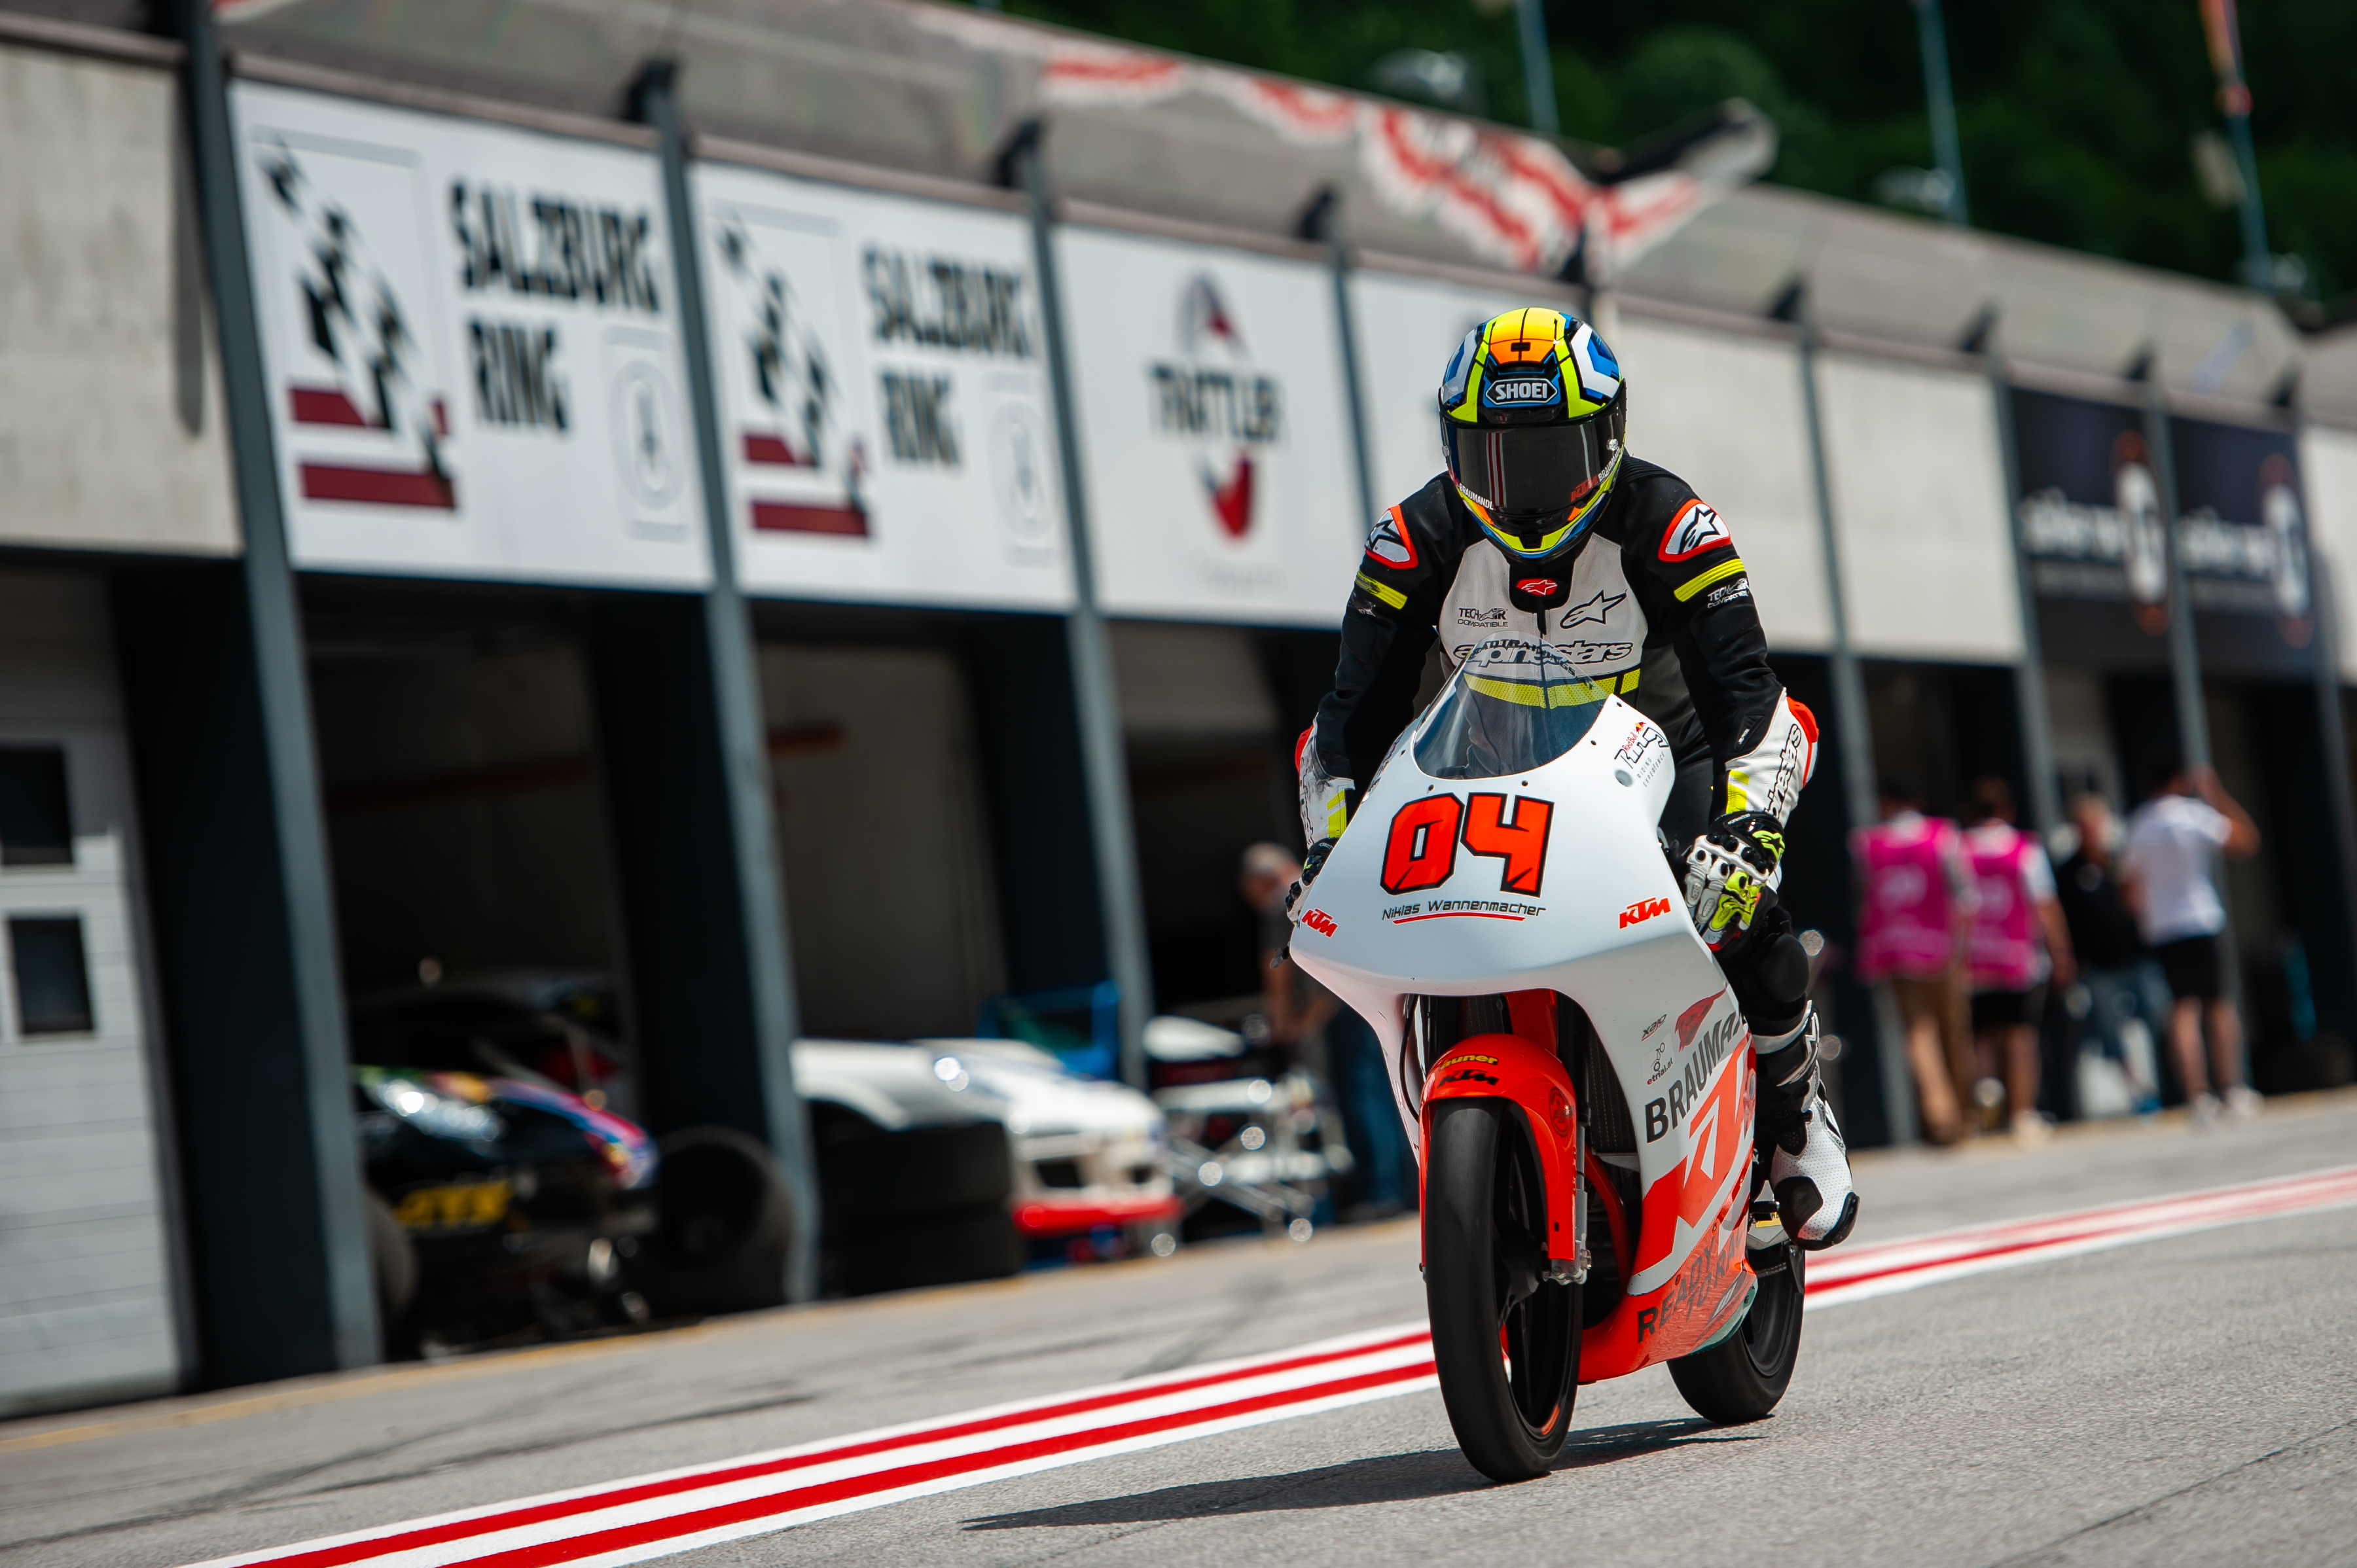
column 2167, row 881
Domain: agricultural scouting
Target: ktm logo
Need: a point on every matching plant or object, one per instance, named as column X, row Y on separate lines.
column 1643, row 909
column 1318, row 920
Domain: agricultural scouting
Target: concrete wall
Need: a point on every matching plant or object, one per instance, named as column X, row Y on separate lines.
column 111, row 427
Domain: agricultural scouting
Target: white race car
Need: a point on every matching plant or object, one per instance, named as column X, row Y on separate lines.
column 1089, row 1155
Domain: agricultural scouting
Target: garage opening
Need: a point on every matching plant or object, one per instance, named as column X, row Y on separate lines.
column 457, row 759
column 882, row 828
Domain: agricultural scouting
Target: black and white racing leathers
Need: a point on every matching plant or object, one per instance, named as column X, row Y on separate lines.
column 1656, row 605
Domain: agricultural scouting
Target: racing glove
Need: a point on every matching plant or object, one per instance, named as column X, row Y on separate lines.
column 1310, row 865
column 1737, row 863
column 1325, row 803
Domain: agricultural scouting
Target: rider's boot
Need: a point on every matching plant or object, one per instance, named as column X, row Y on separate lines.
column 1810, row 1169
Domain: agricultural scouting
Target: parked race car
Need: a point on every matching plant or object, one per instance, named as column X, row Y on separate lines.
column 501, row 1202
column 1090, row 1157
column 513, row 1195
column 1250, row 1136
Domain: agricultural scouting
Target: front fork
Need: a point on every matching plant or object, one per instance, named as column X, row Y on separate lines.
column 1573, row 1270
column 1523, row 1068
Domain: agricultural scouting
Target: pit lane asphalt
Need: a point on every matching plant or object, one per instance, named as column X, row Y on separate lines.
column 2192, row 1399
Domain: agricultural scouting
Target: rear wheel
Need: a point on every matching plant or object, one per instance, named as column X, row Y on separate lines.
column 1743, row 1376
column 1484, row 1250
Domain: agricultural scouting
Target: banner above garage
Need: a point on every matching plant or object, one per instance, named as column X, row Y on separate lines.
column 2091, row 525
column 471, row 340
column 1208, row 386
column 887, row 424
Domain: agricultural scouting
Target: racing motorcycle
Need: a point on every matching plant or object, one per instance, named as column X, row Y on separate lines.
column 1505, row 912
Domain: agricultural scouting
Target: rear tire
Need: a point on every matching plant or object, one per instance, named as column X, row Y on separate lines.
column 1483, row 1252
column 1743, row 1376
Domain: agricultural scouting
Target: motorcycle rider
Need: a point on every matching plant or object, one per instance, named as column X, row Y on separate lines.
column 1542, row 527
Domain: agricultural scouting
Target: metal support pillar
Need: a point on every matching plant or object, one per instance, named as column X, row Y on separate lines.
column 2029, row 676
column 1119, row 892
column 1939, row 93
column 1856, row 730
column 2184, row 650
column 741, row 735
column 303, row 896
column 2324, row 605
column 2324, row 598
column 1538, row 66
column 1325, row 223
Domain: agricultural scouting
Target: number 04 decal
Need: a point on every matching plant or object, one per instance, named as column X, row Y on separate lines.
column 1422, row 852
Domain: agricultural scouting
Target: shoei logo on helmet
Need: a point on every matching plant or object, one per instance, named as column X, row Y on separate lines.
column 1523, row 392
column 1212, row 398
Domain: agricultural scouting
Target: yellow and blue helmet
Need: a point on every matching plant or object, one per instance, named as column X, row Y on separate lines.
column 1534, row 420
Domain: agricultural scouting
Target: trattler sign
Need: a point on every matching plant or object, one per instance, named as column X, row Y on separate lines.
column 1210, row 387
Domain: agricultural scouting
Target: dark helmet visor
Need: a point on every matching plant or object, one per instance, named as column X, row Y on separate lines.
column 1529, row 470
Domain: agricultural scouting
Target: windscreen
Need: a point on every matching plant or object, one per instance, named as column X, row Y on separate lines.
column 1512, row 706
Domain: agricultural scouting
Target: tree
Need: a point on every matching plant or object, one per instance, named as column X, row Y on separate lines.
column 2078, row 117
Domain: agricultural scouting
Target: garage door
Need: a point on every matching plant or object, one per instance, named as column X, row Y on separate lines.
column 86, row 1303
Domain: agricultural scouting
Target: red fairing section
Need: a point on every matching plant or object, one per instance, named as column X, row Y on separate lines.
column 1508, row 1068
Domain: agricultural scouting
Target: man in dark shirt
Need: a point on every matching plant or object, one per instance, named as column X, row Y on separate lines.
column 2120, row 1008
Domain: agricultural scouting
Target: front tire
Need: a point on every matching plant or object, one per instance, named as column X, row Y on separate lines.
column 1743, row 1376
column 1484, row 1249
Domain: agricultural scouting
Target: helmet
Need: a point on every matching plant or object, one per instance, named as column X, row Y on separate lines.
column 1533, row 417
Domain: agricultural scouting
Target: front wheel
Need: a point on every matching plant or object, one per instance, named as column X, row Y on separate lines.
column 1484, row 1250
column 1743, row 1376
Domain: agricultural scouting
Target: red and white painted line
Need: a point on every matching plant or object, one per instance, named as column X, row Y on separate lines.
column 657, row 1515
column 1854, row 1273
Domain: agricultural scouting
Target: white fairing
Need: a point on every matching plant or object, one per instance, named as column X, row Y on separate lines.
column 1607, row 926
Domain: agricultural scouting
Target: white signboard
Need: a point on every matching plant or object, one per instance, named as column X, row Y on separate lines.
column 1209, row 392
column 1919, row 500
column 1407, row 329
column 886, row 420
column 470, row 335
column 1724, row 412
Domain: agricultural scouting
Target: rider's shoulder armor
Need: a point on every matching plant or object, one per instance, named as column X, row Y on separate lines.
column 1411, row 546
column 1669, row 534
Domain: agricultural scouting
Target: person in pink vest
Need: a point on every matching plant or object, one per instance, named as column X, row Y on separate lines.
column 2019, row 942
column 1915, row 900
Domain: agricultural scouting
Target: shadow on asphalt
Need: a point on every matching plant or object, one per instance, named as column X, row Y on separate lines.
column 1392, row 1478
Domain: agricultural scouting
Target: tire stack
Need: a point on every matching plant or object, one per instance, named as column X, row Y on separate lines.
column 924, row 1206
column 721, row 1239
